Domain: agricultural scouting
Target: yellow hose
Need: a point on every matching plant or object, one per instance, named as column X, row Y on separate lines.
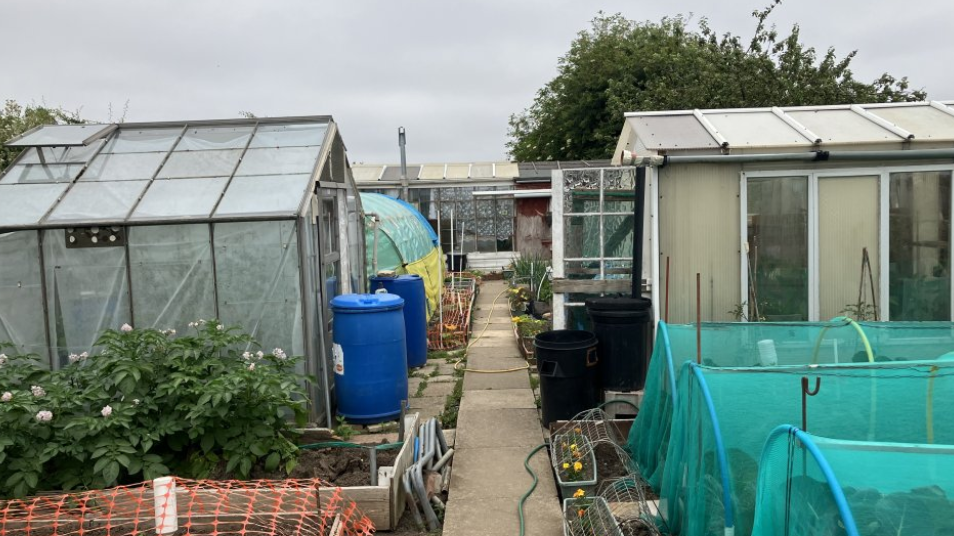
column 861, row 334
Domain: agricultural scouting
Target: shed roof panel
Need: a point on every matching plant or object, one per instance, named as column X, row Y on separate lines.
column 676, row 131
column 841, row 126
column 925, row 122
column 754, row 129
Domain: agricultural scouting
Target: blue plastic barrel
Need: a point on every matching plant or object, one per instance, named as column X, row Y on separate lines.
column 411, row 288
column 369, row 356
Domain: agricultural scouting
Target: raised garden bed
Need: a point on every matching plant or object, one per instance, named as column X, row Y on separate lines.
column 574, row 464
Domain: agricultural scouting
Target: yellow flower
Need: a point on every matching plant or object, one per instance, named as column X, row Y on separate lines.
column 577, row 466
column 573, row 446
column 566, row 465
column 579, row 493
column 515, row 319
column 577, row 430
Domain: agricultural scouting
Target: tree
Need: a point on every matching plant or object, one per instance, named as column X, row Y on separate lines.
column 15, row 119
column 619, row 66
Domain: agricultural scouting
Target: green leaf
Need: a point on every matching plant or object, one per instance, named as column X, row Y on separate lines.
column 100, row 464
column 123, row 460
column 111, row 472
column 208, row 442
column 31, row 479
column 272, row 461
column 258, row 449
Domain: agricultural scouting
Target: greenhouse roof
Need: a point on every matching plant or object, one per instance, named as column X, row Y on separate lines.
column 804, row 127
column 462, row 171
column 134, row 173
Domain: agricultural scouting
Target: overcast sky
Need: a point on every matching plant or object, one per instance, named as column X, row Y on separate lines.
column 451, row 72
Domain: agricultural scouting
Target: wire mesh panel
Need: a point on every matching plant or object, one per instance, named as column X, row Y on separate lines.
column 626, row 498
column 588, row 516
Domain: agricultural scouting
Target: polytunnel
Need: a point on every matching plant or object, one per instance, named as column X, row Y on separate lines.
column 400, row 240
column 251, row 221
column 816, row 485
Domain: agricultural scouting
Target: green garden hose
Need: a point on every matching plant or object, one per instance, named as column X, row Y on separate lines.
column 346, row 445
column 627, row 402
column 523, row 499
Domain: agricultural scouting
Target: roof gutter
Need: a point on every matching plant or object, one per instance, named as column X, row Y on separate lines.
column 630, row 159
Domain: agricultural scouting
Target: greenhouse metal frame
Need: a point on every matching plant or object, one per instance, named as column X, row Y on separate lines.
column 255, row 221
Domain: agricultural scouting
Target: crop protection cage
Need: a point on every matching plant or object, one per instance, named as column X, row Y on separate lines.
column 255, row 222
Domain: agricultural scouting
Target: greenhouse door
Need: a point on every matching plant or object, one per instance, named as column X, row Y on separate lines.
column 847, row 226
column 329, row 264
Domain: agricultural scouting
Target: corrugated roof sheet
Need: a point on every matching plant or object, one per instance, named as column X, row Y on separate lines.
column 793, row 127
column 438, row 171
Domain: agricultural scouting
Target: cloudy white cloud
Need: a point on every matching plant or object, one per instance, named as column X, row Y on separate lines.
column 451, row 72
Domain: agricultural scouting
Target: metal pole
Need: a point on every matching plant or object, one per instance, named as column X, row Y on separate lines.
column 638, row 224
column 402, row 143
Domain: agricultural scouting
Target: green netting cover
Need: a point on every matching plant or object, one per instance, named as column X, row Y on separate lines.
column 724, row 415
column 402, row 237
column 815, row 485
column 766, row 343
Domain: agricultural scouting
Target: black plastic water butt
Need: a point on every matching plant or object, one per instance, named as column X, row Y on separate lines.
column 623, row 327
column 569, row 378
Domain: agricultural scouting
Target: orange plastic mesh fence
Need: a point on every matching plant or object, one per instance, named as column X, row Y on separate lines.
column 185, row 507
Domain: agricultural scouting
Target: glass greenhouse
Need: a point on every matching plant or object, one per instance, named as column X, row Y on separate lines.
column 253, row 221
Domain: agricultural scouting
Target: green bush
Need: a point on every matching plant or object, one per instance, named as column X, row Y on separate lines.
column 530, row 269
column 148, row 404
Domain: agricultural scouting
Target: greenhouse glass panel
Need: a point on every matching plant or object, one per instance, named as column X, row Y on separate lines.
column 200, row 164
column 37, row 173
column 292, row 135
column 86, row 292
column 89, row 202
column 778, row 241
column 59, row 155
column 21, row 294
column 123, row 167
column 209, row 138
column 143, row 141
column 618, row 236
column 180, row 198
column 278, row 160
column 582, row 237
column 60, row 135
column 264, row 194
column 32, row 202
column 171, row 271
column 920, row 245
column 258, row 281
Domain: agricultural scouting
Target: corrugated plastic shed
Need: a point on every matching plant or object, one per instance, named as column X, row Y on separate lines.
column 792, row 127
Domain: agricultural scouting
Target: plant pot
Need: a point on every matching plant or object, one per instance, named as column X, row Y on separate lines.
column 598, row 516
column 569, row 487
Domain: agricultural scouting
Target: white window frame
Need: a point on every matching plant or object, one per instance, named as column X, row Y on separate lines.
column 884, row 174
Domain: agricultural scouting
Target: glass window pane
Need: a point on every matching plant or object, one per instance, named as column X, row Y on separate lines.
column 21, row 294
column 60, row 155
column 98, row 201
column 171, row 271
column 583, row 270
column 200, row 164
column 618, row 201
column 486, row 244
column 920, row 245
column 86, row 291
column 268, row 194
column 617, row 236
column 205, row 138
column 181, row 198
column 778, row 246
column 123, row 167
column 278, row 161
column 582, row 202
column 582, row 237
column 37, row 173
column 294, row 135
column 619, row 179
column 32, row 202
column 258, row 281
column 142, row 141
column 329, row 222
column 59, row 135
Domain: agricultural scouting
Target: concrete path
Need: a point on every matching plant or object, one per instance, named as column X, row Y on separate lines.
column 497, row 427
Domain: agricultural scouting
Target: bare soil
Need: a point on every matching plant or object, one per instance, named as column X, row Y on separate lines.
column 609, row 464
column 338, row 466
column 634, row 527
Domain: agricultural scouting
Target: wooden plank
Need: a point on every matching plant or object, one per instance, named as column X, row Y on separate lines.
column 594, row 286
column 373, row 501
column 404, row 459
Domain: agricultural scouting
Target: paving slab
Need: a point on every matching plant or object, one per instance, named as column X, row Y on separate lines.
column 495, row 362
column 494, row 342
column 498, row 399
column 503, row 351
column 480, row 318
column 427, row 406
column 490, row 516
column 438, row 389
column 496, row 428
column 442, row 379
column 502, row 380
column 499, row 473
